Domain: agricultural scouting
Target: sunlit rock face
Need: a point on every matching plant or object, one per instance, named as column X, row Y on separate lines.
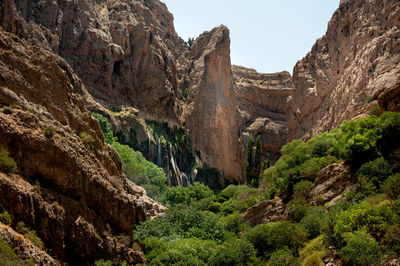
column 213, row 118
column 354, row 64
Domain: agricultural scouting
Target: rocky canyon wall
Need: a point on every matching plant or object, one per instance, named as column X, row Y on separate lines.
column 69, row 186
column 262, row 103
column 353, row 67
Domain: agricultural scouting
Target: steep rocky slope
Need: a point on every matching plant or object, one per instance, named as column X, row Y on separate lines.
column 262, row 102
column 69, row 188
column 354, row 64
column 125, row 52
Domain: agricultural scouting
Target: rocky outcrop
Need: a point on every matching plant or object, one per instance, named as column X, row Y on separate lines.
column 69, row 186
column 354, row 64
column 331, row 182
column 266, row 211
column 212, row 116
column 125, row 52
column 24, row 248
column 262, row 102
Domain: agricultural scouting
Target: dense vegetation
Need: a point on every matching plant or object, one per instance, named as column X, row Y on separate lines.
column 206, row 228
column 202, row 227
column 134, row 165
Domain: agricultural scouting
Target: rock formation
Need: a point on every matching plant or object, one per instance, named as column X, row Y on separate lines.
column 262, row 103
column 354, row 64
column 266, row 211
column 69, row 187
column 212, row 118
column 125, row 52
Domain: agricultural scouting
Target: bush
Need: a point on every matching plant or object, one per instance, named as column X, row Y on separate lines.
column 87, row 140
column 298, row 209
column 103, row 263
column 182, row 222
column 313, row 252
column 7, row 110
column 30, row 234
column 268, row 238
column 105, row 128
column 392, row 186
column 392, row 238
column 234, row 223
column 49, row 132
column 283, row 257
column 302, row 189
column 361, row 249
column 139, row 170
column 234, row 252
column 7, row 164
column 377, row 171
column 183, row 252
column 363, row 216
column 315, row 222
column 5, row 218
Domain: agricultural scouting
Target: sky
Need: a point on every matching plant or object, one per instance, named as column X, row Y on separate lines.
column 267, row 35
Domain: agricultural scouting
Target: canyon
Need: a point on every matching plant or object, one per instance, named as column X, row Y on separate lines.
column 61, row 60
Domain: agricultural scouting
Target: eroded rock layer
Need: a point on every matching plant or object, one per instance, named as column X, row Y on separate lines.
column 262, row 102
column 69, row 186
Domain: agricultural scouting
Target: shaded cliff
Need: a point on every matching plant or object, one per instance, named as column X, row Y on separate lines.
column 355, row 63
column 262, row 102
column 69, row 186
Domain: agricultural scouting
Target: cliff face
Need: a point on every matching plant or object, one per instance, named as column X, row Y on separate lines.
column 212, row 115
column 69, row 188
column 355, row 63
column 262, row 103
column 125, row 52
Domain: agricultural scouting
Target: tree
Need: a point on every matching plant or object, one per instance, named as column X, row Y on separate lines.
column 253, row 161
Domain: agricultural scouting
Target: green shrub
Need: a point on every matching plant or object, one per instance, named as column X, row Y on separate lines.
column 30, row 234
column 234, row 223
column 361, row 249
column 138, row 169
column 87, row 140
column 377, row 171
column 268, row 238
column 392, row 238
column 5, row 218
column 183, row 252
column 8, row 256
column 103, row 263
column 7, row 164
column 302, row 189
column 313, row 252
column 105, row 128
column 49, row 132
column 314, row 222
column 235, row 252
column 392, row 186
column 7, row 110
column 368, row 99
column 184, row 222
column 283, row 257
column 185, row 195
column 298, row 208
column 364, row 216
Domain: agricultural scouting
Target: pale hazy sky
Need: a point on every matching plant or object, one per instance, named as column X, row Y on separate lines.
column 268, row 35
